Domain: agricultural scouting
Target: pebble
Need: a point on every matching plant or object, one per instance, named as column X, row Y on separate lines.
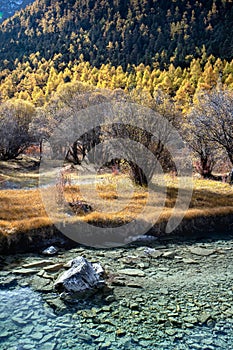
column 120, row 332
column 19, row 321
column 170, row 331
column 133, row 284
column 190, row 261
column 46, row 338
column 169, row 255
column 110, row 299
column 134, row 306
column 190, row 319
column 50, row 251
column 4, row 334
column 37, row 336
column 204, row 317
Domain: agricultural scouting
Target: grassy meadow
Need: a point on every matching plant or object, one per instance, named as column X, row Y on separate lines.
column 114, row 199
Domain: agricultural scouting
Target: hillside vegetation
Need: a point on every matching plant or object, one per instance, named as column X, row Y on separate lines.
column 178, row 48
column 119, row 32
column 58, row 57
column 173, row 57
column 8, row 8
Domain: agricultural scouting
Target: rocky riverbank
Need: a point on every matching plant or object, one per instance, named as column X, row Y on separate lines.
column 169, row 295
column 37, row 239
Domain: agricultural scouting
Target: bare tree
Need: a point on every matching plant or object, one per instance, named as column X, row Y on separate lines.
column 41, row 127
column 202, row 148
column 69, row 101
column 141, row 135
column 15, row 117
column 214, row 114
column 88, row 118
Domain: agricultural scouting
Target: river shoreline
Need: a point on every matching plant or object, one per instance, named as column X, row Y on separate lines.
column 192, row 228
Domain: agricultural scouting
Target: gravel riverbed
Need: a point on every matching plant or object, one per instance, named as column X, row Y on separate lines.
column 165, row 295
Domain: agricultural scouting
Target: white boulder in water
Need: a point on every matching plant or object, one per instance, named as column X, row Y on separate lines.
column 82, row 278
column 50, row 251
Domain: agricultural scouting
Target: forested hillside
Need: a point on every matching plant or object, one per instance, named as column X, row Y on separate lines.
column 175, row 57
column 9, row 7
column 119, row 32
column 37, row 80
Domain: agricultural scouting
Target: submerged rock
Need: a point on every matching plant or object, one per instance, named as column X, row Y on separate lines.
column 56, row 304
column 202, row 251
column 24, row 271
column 8, row 282
column 141, row 239
column 153, row 252
column 41, row 285
column 83, row 278
column 132, row 272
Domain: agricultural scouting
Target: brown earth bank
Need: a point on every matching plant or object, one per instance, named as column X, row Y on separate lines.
column 36, row 240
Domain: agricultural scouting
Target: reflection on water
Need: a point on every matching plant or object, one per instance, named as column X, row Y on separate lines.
column 18, row 185
column 27, row 322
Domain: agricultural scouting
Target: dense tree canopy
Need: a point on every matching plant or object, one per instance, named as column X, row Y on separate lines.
column 119, row 32
column 37, row 79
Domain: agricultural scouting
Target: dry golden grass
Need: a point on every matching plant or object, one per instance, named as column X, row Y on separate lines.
column 21, row 210
column 115, row 201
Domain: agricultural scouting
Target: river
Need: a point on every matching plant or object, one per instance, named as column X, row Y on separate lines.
column 175, row 295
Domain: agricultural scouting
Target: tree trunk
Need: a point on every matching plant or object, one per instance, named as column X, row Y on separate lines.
column 205, row 167
column 73, row 152
column 138, row 175
column 230, row 155
column 41, row 150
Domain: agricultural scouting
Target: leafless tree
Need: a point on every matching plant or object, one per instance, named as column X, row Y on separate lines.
column 203, row 150
column 75, row 138
column 214, row 114
column 15, row 117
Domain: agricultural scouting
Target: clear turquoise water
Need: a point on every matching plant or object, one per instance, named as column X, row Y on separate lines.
column 27, row 322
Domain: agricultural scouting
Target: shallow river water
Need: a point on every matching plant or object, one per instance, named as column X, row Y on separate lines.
column 177, row 296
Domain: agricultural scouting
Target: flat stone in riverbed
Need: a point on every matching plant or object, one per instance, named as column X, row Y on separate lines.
column 53, row 268
column 201, row 251
column 40, row 263
column 132, row 272
column 25, row 271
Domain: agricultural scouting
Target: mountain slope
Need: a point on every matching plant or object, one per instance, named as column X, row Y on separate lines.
column 9, row 7
column 120, row 32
